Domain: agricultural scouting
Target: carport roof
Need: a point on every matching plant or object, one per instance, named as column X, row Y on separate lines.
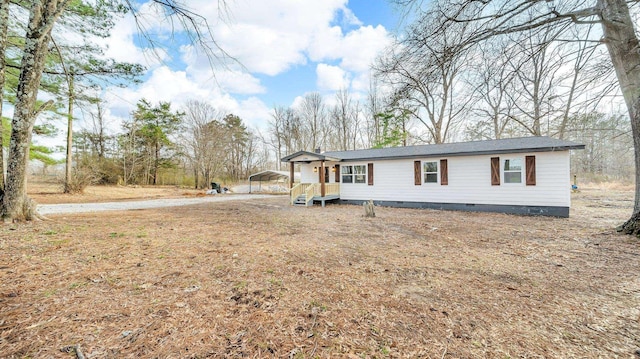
column 270, row 175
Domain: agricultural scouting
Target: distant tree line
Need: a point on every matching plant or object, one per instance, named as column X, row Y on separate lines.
column 158, row 145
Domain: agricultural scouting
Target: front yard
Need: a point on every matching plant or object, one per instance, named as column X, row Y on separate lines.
column 263, row 279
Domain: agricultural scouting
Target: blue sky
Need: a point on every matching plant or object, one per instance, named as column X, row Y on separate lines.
column 288, row 48
column 283, row 89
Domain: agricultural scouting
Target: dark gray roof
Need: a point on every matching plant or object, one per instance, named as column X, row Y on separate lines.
column 509, row 145
column 310, row 156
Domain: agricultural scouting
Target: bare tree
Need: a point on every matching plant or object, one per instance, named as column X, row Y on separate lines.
column 312, row 113
column 584, row 77
column 609, row 147
column 373, row 109
column 536, row 81
column 99, row 138
column 491, row 80
column 426, row 75
column 536, row 66
column 204, row 141
column 494, row 18
column 276, row 132
column 287, row 130
column 344, row 120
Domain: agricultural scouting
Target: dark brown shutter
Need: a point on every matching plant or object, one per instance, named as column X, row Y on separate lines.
column 417, row 173
column 444, row 173
column 495, row 171
column 370, row 174
column 337, row 179
column 530, row 165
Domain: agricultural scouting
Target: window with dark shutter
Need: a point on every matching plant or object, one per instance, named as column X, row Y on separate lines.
column 337, row 173
column 370, row 174
column 530, row 166
column 417, row 173
column 495, row 171
column 444, row 173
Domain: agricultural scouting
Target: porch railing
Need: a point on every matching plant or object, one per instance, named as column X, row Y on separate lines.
column 311, row 190
column 332, row 189
column 298, row 190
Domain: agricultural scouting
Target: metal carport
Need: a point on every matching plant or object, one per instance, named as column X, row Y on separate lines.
column 270, row 175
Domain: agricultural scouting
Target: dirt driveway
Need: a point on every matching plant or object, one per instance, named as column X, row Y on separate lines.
column 264, row 279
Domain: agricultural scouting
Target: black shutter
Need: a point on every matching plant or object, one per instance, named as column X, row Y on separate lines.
column 370, row 174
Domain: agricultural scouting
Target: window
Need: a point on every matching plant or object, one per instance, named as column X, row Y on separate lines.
column 427, row 172
column 354, row 174
column 513, row 170
column 430, row 170
column 360, row 173
column 347, row 174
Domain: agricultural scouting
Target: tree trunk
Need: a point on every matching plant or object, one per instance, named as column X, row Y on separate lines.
column 4, row 19
column 156, row 163
column 69, row 162
column 623, row 46
column 15, row 203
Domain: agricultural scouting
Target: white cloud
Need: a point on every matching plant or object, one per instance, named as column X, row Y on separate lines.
column 121, row 47
column 331, row 77
column 230, row 78
column 360, row 47
column 266, row 37
column 254, row 112
column 265, row 50
column 362, row 82
column 327, row 45
column 270, row 37
column 176, row 87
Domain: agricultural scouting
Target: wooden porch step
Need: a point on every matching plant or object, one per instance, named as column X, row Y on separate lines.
column 300, row 201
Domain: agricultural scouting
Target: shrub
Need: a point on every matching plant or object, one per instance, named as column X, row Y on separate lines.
column 80, row 179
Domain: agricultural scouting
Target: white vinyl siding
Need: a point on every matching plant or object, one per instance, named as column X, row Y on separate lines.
column 308, row 176
column 469, row 182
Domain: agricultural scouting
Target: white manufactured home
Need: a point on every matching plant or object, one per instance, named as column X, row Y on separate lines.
column 529, row 175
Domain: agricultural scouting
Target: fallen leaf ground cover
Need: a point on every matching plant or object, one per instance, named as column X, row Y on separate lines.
column 50, row 192
column 260, row 279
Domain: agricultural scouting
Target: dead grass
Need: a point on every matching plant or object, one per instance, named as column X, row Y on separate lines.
column 52, row 193
column 263, row 279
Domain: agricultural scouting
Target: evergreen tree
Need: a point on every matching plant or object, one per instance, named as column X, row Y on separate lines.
column 152, row 128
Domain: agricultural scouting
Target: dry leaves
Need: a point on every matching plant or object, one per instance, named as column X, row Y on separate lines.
column 263, row 279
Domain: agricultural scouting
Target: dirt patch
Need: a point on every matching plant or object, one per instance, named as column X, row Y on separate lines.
column 263, row 279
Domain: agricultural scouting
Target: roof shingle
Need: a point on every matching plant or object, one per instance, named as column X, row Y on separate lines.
column 509, row 145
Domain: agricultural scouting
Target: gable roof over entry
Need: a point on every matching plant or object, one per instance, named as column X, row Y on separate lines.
column 306, row 156
column 509, row 145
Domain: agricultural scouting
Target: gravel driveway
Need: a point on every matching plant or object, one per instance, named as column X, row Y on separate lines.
column 47, row 209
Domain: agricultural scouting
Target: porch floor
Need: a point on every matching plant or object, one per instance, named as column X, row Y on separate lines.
column 330, row 197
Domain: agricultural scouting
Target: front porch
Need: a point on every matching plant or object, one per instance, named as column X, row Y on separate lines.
column 304, row 194
column 319, row 178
